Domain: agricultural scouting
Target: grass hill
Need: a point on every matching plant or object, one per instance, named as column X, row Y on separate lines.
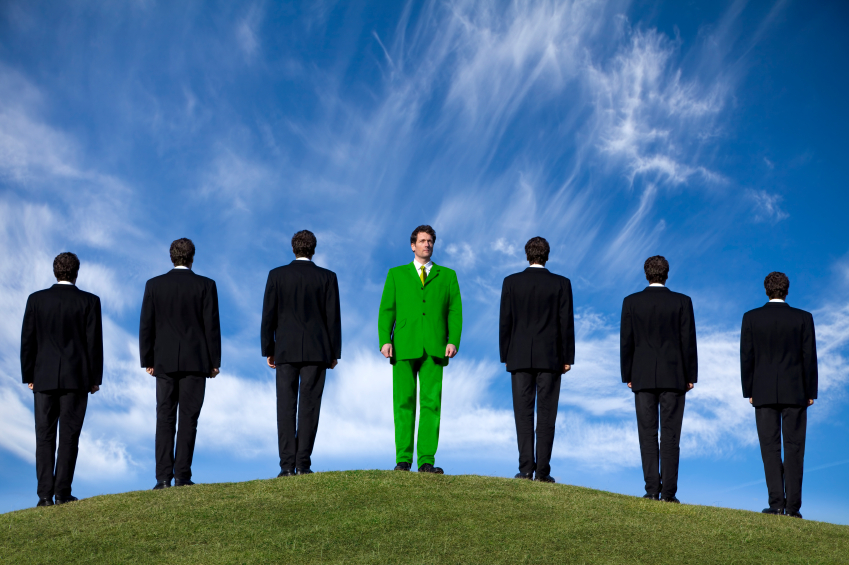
column 394, row 517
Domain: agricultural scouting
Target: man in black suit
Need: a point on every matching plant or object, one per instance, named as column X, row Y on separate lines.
column 62, row 362
column 537, row 342
column 778, row 365
column 301, row 339
column 180, row 344
column 659, row 362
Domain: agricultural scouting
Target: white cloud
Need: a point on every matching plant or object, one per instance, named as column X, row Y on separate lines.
column 766, row 207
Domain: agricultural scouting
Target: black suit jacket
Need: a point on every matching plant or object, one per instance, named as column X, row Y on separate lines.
column 179, row 329
column 778, row 355
column 657, row 347
column 300, row 315
column 537, row 325
column 62, row 339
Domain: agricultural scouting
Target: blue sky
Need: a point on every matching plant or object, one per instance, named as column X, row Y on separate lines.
column 709, row 132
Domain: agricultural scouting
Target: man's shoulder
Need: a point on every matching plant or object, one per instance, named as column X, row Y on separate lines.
column 445, row 270
column 90, row 296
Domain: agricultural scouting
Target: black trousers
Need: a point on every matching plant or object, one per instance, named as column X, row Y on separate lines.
column 669, row 404
column 183, row 392
column 299, row 390
column 528, row 387
column 65, row 408
column 783, row 481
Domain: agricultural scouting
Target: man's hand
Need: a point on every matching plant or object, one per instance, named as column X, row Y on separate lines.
column 214, row 372
column 629, row 385
column 751, row 401
column 566, row 369
column 450, row 351
column 810, row 402
column 30, row 385
column 388, row 351
column 270, row 361
column 95, row 388
column 690, row 386
column 149, row 370
column 334, row 363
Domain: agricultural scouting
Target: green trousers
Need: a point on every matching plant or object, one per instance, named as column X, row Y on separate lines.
column 429, row 370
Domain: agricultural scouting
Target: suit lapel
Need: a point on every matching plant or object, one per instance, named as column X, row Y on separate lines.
column 434, row 272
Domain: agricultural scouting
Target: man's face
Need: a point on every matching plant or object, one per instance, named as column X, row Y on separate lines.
column 423, row 247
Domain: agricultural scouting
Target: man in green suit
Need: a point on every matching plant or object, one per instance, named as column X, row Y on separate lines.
column 419, row 325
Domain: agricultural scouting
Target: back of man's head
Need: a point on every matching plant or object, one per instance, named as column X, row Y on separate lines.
column 182, row 252
column 777, row 285
column 657, row 269
column 303, row 244
column 66, row 266
column 537, row 250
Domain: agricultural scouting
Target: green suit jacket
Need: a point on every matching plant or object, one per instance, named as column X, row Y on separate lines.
column 418, row 319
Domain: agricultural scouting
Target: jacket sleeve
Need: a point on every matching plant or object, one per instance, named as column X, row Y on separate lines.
column 94, row 342
column 212, row 325
column 505, row 322
column 386, row 314
column 809, row 357
column 455, row 313
column 747, row 357
column 29, row 343
column 567, row 324
column 269, row 318
column 688, row 343
column 147, row 329
column 626, row 343
column 334, row 317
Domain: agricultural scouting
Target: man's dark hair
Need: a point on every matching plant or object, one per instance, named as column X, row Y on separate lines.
column 537, row 249
column 777, row 285
column 657, row 269
column 427, row 229
column 66, row 266
column 303, row 244
column 182, row 252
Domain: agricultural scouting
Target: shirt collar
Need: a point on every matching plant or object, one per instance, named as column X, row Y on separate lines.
column 776, row 300
column 182, row 267
column 535, row 266
column 65, row 282
column 303, row 259
column 418, row 265
column 658, row 284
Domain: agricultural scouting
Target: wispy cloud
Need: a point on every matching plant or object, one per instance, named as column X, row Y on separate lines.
column 766, row 207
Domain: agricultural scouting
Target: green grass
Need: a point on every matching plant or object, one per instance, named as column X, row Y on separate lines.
column 393, row 517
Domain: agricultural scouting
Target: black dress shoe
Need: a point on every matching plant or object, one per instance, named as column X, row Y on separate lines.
column 777, row 511
column 66, row 499
column 306, row 471
column 428, row 468
column 182, row 482
column 528, row 476
column 287, row 473
column 45, row 501
column 671, row 499
column 652, row 496
column 795, row 514
column 162, row 484
column 545, row 479
column 402, row 466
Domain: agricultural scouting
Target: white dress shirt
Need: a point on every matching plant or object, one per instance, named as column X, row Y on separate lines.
column 775, row 300
column 535, row 266
column 428, row 266
column 302, row 259
column 657, row 284
column 65, row 282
